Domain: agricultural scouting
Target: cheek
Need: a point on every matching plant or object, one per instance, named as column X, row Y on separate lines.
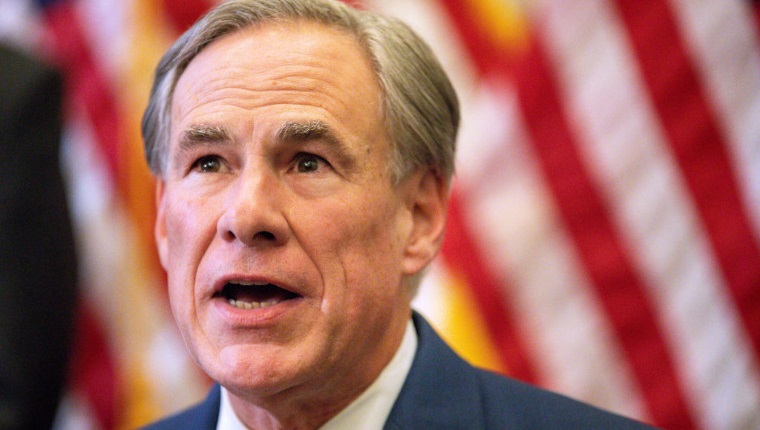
column 189, row 230
column 188, row 225
column 367, row 242
column 178, row 260
column 187, row 239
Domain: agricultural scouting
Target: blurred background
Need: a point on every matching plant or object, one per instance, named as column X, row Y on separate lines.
column 604, row 232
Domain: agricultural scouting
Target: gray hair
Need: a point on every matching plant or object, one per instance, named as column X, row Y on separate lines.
column 421, row 110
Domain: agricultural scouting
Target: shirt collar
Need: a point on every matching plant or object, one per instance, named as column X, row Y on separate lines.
column 370, row 410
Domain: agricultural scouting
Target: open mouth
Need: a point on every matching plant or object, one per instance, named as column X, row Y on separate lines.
column 251, row 295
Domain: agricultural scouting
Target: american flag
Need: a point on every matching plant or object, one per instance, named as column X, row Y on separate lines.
column 604, row 230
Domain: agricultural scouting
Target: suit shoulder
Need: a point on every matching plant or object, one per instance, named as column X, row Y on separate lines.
column 202, row 416
column 526, row 406
column 24, row 75
column 442, row 391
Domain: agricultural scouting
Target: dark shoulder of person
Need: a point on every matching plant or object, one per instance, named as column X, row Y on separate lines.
column 38, row 274
column 523, row 406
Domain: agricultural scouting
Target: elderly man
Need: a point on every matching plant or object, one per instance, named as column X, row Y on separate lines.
column 303, row 152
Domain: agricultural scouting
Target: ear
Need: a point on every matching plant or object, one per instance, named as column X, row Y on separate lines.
column 427, row 198
column 159, row 230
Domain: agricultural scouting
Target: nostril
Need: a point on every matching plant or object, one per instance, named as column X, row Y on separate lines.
column 250, row 223
column 264, row 235
column 229, row 235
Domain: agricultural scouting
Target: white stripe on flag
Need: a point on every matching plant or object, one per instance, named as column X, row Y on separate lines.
column 723, row 38
column 105, row 25
column 627, row 151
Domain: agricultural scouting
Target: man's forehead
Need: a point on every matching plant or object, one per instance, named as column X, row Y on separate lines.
column 263, row 50
column 306, row 32
column 329, row 93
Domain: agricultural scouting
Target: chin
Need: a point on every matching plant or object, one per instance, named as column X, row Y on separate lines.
column 248, row 371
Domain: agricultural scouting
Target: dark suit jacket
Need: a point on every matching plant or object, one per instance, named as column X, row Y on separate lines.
column 442, row 391
column 37, row 258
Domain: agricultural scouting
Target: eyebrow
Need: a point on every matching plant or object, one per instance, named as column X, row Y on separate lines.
column 293, row 131
column 203, row 134
column 199, row 135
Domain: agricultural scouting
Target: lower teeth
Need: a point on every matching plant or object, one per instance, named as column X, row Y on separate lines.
column 250, row 305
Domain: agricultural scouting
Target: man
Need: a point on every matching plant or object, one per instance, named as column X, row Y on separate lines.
column 303, row 152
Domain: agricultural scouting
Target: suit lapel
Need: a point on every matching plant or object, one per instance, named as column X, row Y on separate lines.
column 440, row 391
column 205, row 415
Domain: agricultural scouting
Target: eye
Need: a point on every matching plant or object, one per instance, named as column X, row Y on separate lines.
column 208, row 164
column 308, row 163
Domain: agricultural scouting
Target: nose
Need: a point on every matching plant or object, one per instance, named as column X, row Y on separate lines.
column 254, row 211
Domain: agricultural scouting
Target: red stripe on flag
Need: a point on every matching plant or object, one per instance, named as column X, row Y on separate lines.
column 184, row 13
column 464, row 257
column 93, row 371
column 85, row 84
column 618, row 286
column 699, row 147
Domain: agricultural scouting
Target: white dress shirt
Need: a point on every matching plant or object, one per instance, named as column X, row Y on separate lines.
column 370, row 410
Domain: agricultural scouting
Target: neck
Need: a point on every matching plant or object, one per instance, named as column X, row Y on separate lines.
column 276, row 416
column 311, row 405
